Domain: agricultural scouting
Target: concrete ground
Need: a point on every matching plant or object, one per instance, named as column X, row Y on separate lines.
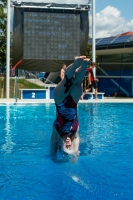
column 106, row 100
column 36, row 81
column 39, row 82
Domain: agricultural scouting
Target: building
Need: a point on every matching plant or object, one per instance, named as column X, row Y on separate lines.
column 115, row 64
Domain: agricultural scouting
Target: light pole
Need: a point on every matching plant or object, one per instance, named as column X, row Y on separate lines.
column 8, row 52
column 93, row 36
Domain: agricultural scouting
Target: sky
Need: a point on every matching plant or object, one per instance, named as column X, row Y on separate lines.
column 112, row 16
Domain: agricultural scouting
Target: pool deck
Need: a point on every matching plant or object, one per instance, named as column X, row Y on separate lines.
column 106, row 100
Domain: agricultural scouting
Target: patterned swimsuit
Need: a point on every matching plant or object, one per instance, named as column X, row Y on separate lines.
column 67, row 121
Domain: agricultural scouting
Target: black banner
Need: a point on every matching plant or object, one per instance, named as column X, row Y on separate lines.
column 44, row 40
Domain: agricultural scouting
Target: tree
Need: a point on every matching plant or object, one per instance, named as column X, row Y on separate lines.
column 3, row 32
column 89, row 51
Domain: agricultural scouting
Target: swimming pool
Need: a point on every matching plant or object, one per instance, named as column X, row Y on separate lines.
column 103, row 171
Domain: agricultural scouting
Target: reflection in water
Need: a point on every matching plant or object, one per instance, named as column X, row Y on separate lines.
column 8, row 146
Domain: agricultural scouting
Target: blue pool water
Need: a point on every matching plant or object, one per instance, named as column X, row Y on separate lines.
column 103, row 171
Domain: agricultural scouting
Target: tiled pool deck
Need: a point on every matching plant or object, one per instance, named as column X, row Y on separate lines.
column 106, row 100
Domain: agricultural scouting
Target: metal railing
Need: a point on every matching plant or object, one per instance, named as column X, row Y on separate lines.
column 30, row 74
column 49, row 81
column 15, row 88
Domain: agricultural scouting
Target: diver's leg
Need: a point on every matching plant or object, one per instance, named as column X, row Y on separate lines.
column 63, row 88
column 81, row 71
column 77, row 89
column 96, row 90
column 87, row 90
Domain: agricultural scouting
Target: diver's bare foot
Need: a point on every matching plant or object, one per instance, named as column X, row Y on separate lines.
column 85, row 62
column 78, row 60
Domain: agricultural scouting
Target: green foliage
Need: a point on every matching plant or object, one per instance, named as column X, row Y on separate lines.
column 26, row 84
column 3, row 32
column 89, row 51
column 21, row 83
column 3, row 22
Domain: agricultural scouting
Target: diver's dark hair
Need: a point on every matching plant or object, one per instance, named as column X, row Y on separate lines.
column 63, row 64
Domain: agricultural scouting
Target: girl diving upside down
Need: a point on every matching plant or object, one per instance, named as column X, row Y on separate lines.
column 66, row 96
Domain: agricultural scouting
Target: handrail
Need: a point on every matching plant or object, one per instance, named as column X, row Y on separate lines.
column 31, row 74
column 49, row 81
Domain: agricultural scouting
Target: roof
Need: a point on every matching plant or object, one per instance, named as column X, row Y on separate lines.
column 124, row 40
column 126, row 33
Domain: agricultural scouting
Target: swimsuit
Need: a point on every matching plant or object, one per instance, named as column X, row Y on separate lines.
column 67, row 121
column 91, row 72
column 93, row 82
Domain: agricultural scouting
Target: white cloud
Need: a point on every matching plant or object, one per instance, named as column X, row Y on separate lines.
column 130, row 23
column 110, row 22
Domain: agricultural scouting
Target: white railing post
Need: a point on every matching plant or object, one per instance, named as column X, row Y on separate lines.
column 93, row 36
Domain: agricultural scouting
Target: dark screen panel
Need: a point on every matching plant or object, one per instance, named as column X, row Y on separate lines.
column 51, row 36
